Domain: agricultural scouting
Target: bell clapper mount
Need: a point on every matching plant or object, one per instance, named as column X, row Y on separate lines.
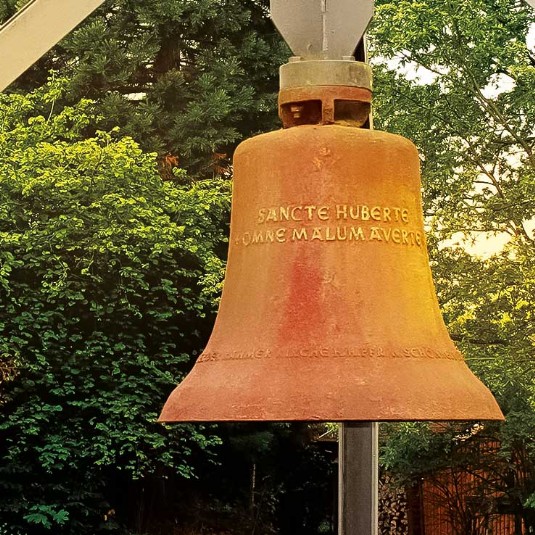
column 322, row 83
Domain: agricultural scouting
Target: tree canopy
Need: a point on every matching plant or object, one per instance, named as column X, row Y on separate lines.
column 188, row 80
column 107, row 273
column 463, row 92
column 458, row 79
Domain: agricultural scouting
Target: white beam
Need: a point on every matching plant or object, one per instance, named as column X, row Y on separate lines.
column 34, row 30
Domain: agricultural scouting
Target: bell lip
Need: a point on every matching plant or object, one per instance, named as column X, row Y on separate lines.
column 251, row 420
column 331, row 390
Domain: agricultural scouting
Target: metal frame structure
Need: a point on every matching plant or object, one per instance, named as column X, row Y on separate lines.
column 34, row 30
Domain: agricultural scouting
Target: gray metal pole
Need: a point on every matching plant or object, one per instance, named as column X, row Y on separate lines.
column 358, row 455
column 358, row 478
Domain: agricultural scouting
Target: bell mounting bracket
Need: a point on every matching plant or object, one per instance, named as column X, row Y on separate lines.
column 322, row 83
column 322, row 29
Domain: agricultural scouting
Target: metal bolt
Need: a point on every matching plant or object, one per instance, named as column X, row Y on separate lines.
column 296, row 111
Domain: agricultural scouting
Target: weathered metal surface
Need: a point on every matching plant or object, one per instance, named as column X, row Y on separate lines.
column 324, row 105
column 322, row 29
column 328, row 310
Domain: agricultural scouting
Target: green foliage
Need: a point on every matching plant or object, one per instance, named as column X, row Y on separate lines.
column 190, row 79
column 9, row 7
column 468, row 104
column 272, row 479
column 47, row 516
column 458, row 79
column 107, row 275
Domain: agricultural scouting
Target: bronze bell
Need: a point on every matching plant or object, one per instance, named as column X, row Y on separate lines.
column 328, row 310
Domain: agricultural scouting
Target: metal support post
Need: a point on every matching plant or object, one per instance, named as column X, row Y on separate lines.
column 358, row 454
column 358, row 478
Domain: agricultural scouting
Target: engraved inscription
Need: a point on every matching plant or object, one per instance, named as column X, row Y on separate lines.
column 327, row 233
column 329, row 223
column 329, row 352
column 339, row 212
